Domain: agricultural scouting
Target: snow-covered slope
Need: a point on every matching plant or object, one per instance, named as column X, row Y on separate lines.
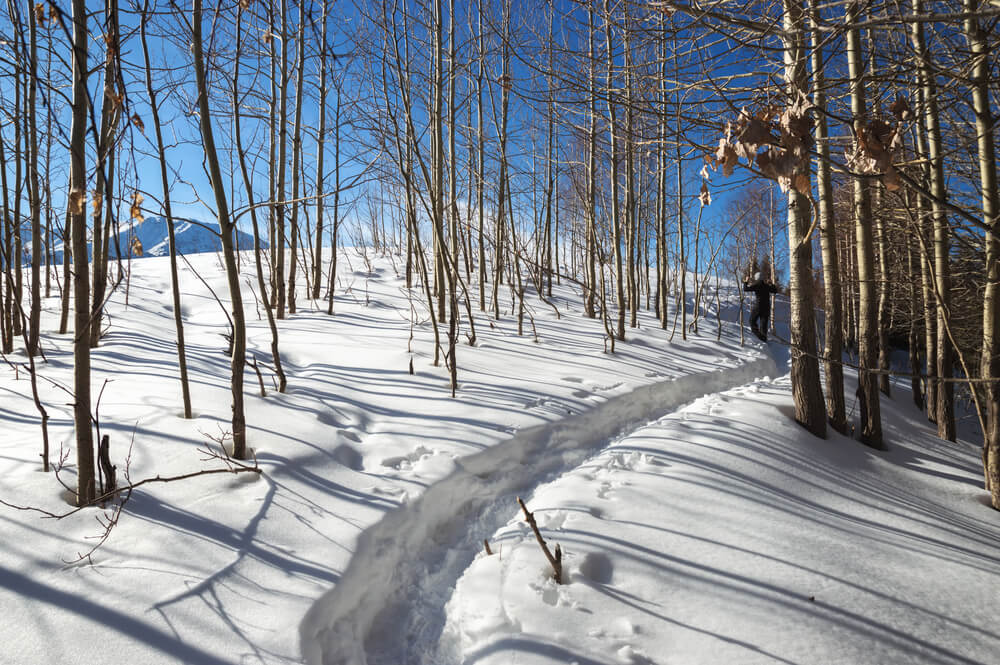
column 191, row 236
column 723, row 533
column 377, row 487
column 220, row 569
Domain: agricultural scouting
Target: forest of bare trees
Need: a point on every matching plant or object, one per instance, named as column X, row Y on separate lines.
column 849, row 147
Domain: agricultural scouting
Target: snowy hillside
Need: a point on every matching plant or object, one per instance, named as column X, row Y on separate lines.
column 192, row 237
column 699, row 523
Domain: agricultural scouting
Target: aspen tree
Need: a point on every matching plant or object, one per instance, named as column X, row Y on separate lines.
column 167, row 211
column 985, row 124
column 806, row 390
column 868, row 398
column 833, row 325
column 226, row 228
column 86, row 488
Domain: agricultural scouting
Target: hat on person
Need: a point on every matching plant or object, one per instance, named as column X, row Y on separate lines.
column 756, row 276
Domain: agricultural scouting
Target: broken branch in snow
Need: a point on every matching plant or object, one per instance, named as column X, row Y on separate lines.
column 554, row 559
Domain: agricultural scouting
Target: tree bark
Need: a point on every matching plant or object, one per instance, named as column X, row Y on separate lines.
column 165, row 184
column 990, row 365
column 86, row 489
column 945, row 411
column 833, row 323
column 226, row 225
column 868, row 398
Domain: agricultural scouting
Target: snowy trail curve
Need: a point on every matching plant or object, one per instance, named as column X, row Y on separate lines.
column 388, row 607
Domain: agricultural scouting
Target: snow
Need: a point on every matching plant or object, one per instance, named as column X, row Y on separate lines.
column 696, row 518
column 720, row 533
column 191, row 237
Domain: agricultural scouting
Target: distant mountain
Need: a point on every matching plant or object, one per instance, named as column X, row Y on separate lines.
column 191, row 236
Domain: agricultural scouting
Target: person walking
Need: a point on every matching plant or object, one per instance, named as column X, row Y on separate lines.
column 760, row 311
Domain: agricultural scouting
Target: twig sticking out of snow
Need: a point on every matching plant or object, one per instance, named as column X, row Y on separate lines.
column 556, row 559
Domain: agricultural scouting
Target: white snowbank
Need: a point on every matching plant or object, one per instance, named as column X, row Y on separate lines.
column 388, row 600
column 724, row 533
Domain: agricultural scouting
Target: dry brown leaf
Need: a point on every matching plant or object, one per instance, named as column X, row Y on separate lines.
column 39, row 14
column 137, row 121
column 266, row 37
column 96, row 199
column 136, row 210
column 137, row 247
column 77, row 201
column 754, row 133
column 705, row 196
column 901, row 109
column 116, row 100
column 726, row 156
column 802, row 184
column 891, row 179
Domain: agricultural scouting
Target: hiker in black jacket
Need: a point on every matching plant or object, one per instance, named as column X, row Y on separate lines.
column 760, row 311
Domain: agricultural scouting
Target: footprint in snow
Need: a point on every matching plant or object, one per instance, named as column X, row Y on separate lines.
column 348, row 456
column 405, row 462
column 349, row 435
column 596, row 567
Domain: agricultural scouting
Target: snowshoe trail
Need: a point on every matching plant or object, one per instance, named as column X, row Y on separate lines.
column 388, row 606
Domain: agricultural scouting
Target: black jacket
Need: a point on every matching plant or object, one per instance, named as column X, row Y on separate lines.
column 763, row 291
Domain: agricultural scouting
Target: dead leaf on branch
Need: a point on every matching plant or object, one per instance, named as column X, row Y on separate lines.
column 116, row 100
column 877, row 146
column 137, row 121
column 77, row 201
column 901, row 109
column 136, row 209
column 726, row 157
column 705, row 196
column 752, row 130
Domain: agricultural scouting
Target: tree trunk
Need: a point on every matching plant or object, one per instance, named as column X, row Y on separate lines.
column 86, row 490
column 945, row 411
column 590, row 259
column 868, row 398
column 616, row 221
column 806, row 390
column 296, row 160
column 985, row 126
column 238, row 359
column 833, row 323
column 34, row 191
column 320, row 142
column 165, row 184
column 280, row 184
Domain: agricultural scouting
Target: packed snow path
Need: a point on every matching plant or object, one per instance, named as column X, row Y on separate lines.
column 725, row 534
column 387, row 607
column 222, row 569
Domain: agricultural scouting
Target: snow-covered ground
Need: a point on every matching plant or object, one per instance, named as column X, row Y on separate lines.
column 721, row 533
column 700, row 537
